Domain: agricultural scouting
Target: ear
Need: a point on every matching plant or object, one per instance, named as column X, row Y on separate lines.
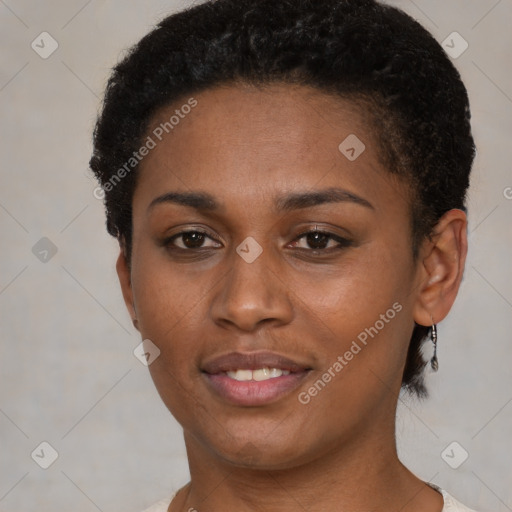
column 442, row 268
column 124, row 275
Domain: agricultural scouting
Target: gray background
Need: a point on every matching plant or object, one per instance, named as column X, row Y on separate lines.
column 68, row 373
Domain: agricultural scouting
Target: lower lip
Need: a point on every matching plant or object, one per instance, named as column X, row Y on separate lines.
column 251, row 392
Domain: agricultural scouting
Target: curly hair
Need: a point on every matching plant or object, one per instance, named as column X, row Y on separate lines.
column 372, row 54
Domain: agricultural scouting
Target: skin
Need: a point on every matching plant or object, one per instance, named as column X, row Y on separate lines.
column 245, row 146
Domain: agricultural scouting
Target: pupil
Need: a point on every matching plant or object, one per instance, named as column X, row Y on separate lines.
column 196, row 239
column 318, row 240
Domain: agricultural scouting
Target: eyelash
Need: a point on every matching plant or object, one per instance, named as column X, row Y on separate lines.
column 342, row 242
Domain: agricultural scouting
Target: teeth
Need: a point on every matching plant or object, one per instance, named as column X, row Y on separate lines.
column 241, row 375
column 257, row 375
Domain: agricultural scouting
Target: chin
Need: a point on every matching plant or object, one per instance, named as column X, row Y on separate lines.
column 260, row 451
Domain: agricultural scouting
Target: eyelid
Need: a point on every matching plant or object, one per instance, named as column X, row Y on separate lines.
column 169, row 240
column 342, row 241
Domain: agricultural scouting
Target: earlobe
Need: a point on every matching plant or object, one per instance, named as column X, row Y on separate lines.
column 442, row 268
column 124, row 275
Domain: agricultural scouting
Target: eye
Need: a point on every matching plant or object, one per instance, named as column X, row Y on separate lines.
column 190, row 240
column 320, row 240
column 317, row 240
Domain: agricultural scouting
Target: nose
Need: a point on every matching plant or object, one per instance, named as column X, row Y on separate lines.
column 252, row 294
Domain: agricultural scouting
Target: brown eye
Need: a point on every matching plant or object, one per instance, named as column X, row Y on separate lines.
column 189, row 240
column 319, row 240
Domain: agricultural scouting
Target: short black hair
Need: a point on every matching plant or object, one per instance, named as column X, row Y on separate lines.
column 361, row 50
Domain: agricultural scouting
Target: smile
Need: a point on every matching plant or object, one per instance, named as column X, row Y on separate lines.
column 253, row 379
column 257, row 375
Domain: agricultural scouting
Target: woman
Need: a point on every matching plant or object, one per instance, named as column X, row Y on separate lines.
column 287, row 183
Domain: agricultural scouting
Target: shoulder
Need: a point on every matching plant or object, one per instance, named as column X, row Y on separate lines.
column 452, row 505
column 160, row 506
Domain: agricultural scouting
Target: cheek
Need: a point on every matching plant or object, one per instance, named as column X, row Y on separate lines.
column 166, row 303
column 366, row 309
column 365, row 284
column 171, row 313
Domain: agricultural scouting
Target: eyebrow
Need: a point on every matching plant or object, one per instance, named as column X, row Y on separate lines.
column 288, row 202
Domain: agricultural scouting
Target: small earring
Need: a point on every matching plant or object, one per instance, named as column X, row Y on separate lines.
column 434, row 363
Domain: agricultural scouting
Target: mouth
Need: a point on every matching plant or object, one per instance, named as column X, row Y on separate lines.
column 253, row 379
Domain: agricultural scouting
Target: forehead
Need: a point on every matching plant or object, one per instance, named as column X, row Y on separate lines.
column 293, row 121
column 248, row 143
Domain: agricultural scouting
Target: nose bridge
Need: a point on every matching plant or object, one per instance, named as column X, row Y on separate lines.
column 252, row 291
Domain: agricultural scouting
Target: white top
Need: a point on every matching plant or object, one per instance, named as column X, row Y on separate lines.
column 450, row 503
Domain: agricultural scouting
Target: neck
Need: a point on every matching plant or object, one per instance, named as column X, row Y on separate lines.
column 357, row 476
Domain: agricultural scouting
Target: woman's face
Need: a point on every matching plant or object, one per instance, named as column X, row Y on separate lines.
column 249, row 289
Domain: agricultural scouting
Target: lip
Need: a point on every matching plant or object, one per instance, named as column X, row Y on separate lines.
column 253, row 393
column 251, row 361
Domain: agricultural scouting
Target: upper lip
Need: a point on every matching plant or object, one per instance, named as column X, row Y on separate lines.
column 251, row 361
